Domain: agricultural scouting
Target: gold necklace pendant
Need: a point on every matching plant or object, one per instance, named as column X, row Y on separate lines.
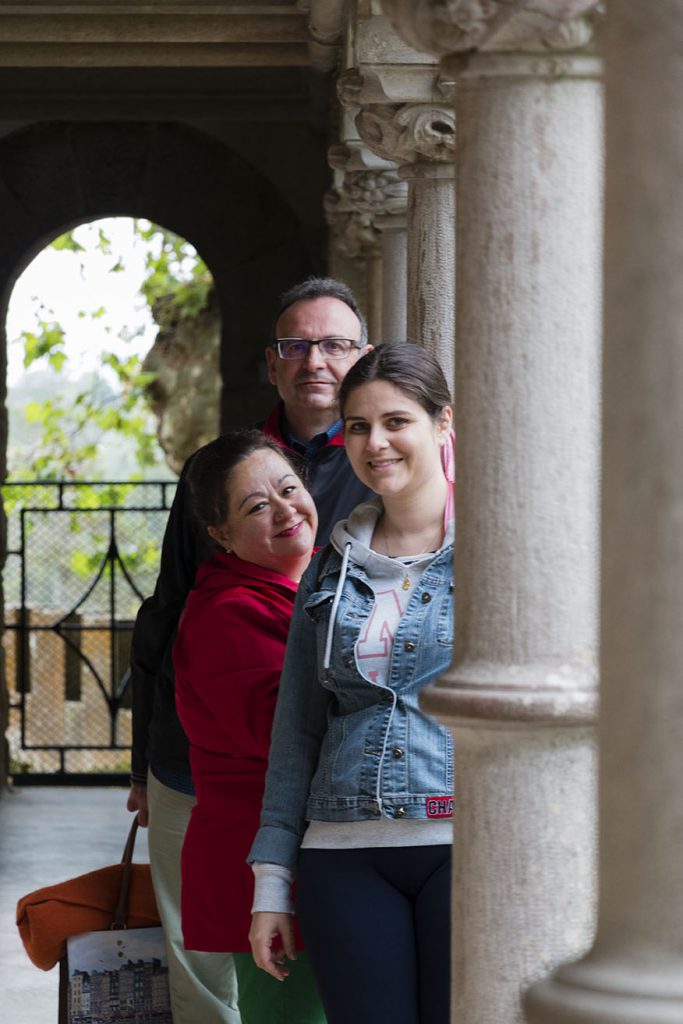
column 406, row 578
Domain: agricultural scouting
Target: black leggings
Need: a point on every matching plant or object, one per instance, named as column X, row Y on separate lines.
column 376, row 924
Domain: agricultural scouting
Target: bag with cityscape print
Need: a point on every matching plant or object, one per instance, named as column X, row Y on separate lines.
column 120, row 975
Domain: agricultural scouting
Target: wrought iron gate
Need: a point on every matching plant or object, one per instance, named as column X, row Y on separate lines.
column 81, row 558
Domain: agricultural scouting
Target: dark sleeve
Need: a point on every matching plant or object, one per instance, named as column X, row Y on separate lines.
column 335, row 488
column 184, row 547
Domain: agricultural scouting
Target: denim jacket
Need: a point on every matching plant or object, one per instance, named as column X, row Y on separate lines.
column 343, row 748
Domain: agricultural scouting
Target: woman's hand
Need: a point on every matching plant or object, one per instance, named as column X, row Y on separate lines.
column 137, row 801
column 265, row 928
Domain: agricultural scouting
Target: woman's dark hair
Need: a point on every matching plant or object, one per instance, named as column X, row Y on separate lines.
column 210, row 468
column 408, row 367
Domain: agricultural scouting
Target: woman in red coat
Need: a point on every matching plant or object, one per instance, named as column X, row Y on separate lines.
column 228, row 657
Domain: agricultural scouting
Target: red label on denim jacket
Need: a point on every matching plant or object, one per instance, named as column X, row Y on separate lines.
column 439, row 806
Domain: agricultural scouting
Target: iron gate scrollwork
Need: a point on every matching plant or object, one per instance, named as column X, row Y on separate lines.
column 81, row 558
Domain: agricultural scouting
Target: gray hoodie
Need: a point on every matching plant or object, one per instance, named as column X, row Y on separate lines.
column 352, row 537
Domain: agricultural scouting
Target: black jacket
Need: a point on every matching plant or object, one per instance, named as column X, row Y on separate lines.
column 158, row 737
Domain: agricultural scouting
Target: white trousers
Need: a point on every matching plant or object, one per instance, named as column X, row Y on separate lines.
column 203, row 985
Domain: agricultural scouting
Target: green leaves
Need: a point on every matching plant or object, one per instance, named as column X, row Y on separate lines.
column 48, row 342
column 111, row 403
column 103, row 243
column 174, row 270
column 67, row 241
column 85, row 564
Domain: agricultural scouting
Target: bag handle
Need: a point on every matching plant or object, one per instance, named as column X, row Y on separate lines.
column 121, row 909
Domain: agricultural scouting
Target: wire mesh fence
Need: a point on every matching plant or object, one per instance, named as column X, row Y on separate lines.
column 81, row 558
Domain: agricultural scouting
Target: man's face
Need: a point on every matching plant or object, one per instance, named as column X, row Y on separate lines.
column 309, row 386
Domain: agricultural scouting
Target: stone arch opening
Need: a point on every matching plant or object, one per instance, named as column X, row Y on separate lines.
column 142, row 292
column 54, row 176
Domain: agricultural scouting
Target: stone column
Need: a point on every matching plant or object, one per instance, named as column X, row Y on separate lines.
column 420, row 138
column 382, row 194
column 520, row 696
column 634, row 972
column 325, row 29
column 375, row 294
column 392, row 229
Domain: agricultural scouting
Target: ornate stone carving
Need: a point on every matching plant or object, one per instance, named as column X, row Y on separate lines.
column 375, row 192
column 409, row 133
column 352, row 230
column 366, row 182
column 391, row 83
column 444, row 26
column 349, row 87
column 355, row 156
column 377, row 42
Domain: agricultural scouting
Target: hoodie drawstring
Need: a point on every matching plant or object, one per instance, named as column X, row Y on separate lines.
column 327, row 658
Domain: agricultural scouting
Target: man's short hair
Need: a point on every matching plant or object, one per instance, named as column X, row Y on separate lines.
column 322, row 288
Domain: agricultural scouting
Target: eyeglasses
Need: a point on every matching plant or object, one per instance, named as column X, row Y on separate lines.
column 299, row 348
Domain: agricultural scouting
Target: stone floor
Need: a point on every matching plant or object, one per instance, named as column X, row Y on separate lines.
column 49, row 834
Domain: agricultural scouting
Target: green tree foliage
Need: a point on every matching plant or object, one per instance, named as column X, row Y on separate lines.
column 72, row 428
column 175, row 270
column 49, row 342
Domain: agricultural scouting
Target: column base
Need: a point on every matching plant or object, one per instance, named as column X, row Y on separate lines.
column 586, row 993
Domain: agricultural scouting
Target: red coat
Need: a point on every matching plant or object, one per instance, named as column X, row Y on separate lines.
column 228, row 658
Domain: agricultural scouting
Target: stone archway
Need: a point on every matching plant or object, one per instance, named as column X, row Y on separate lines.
column 57, row 175
column 53, row 176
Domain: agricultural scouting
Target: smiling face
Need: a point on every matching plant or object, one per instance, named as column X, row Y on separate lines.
column 308, row 387
column 271, row 516
column 392, row 443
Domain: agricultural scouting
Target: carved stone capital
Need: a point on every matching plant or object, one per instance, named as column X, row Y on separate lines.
column 409, row 133
column 445, row 26
column 355, row 156
column 391, row 83
column 350, row 87
column 353, row 233
column 376, row 41
column 375, row 192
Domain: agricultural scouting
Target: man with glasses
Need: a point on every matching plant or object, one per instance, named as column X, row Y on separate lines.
column 319, row 334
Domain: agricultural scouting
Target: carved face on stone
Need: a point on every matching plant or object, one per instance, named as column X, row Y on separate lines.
column 308, row 387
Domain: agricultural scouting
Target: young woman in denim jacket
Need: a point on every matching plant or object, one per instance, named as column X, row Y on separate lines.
column 359, row 789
